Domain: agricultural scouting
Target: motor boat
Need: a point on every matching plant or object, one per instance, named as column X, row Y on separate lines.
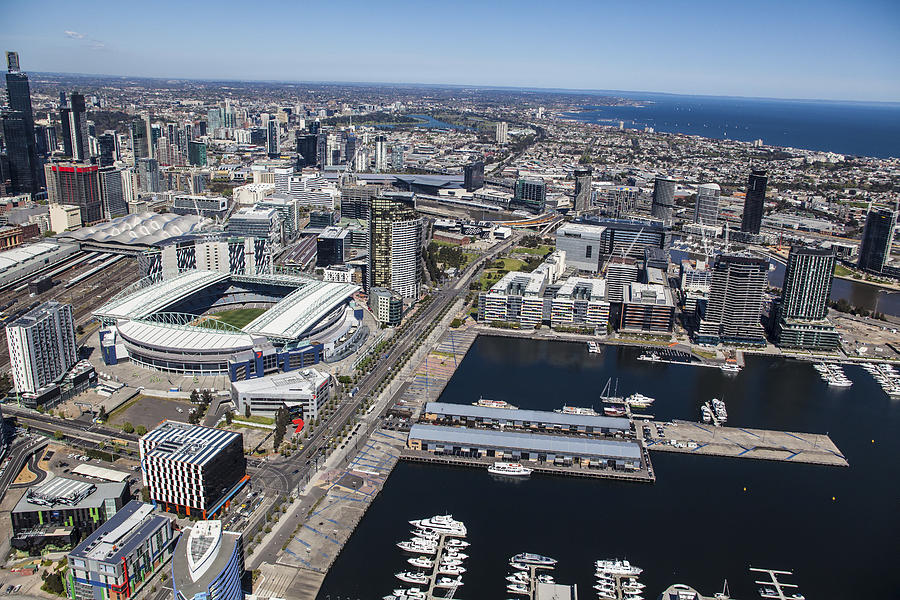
column 412, row 577
column 527, row 558
column 446, row 582
column 518, row 588
column 422, row 563
column 417, row 548
column 450, row 570
column 485, row 403
column 618, row 567
column 441, row 524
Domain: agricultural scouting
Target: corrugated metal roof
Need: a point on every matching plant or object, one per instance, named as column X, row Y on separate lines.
column 532, row 416
column 553, row 444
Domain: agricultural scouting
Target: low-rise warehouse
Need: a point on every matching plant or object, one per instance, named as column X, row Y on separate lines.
column 526, row 419
column 520, row 446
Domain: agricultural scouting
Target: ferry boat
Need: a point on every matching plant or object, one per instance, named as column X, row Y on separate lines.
column 485, row 403
column 719, row 408
column 618, row 567
column 577, row 410
column 593, row 347
column 639, row 401
column 614, row 411
column 442, row 524
column 508, row 468
column 412, row 577
column 526, row 558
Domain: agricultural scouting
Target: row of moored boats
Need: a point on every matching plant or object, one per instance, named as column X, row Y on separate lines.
column 525, row 573
column 439, row 556
column 714, row 412
column 615, row 576
column 832, row 374
column 886, row 376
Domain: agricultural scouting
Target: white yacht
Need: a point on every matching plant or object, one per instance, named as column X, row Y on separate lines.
column 518, row 588
column 650, row 357
column 453, row 554
column 509, row 468
column 730, row 368
column 719, row 408
column 456, row 543
column 618, row 567
column 446, row 582
column 442, row 524
column 639, row 401
column 527, row 558
column 414, row 593
column 422, row 563
column 517, row 577
column 416, row 548
column 412, row 577
column 706, row 413
column 593, row 347
column 518, row 565
column 450, row 562
column 451, row 570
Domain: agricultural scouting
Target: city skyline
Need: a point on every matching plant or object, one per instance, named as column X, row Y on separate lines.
column 662, row 49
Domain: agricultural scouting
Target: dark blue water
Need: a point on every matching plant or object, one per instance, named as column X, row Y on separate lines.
column 697, row 524
column 858, row 128
column 432, row 123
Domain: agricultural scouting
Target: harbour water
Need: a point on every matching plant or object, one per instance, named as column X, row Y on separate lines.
column 857, row 128
column 704, row 520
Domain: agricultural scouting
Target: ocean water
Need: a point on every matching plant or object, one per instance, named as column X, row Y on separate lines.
column 856, row 128
column 706, row 519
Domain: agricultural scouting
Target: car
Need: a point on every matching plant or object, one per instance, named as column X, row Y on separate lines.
column 295, row 471
column 16, row 589
column 9, row 588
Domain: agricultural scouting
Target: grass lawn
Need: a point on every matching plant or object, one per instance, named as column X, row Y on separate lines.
column 539, row 251
column 842, row 271
column 256, row 419
column 238, row 317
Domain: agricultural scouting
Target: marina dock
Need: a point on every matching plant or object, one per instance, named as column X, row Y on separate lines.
column 775, row 589
column 741, row 442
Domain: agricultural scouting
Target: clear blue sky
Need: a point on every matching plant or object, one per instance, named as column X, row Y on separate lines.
column 830, row 49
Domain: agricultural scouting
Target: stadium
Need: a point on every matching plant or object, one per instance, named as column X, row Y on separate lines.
column 215, row 323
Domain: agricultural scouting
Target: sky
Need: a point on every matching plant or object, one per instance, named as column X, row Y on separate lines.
column 823, row 49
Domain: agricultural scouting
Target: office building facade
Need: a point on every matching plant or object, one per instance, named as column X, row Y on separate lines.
column 531, row 194
column 41, row 345
column 302, row 392
column 473, row 175
column 386, row 306
column 192, row 468
column 878, row 235
column 583, row 245
column 754, row 202
column 24, row 170
column 801, row 313
column 395, row 243
column 112, row 192
column 140, row 141
column 332, row 247
column 73, row 119
column 76, row 184
column 116, row 560
column 706, row 207
column 208, row 563
column 735, row 301
column 663, row 204
column 196, row 154
column 647, row 308
column 306, row 150
column 501, row 132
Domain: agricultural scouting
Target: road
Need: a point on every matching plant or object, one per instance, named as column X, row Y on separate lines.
column 19, row 453
column 298, row 468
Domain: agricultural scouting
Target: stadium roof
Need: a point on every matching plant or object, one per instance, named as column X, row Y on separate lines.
column 184, row 337
column 530, row 442
column 445, row 409
column 153, row 298
column 301, row 309
column 144, row 229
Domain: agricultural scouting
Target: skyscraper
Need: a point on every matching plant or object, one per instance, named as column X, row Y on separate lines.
column 108, row 153
column 73, row 119
column 395, row 243
column 306, row 150
column 112, row 192
column 735, row 300
column 802, row 310
column 663, row 204
column 875, row 248
column 148, row 175
column 583, row 177
column 531, row 194
column 273, row 145
column 753, row 203
column 76, row 184
column 197, row 154
column 473, row 175
column 41, row 345
column 18, row 130
column 706, row 208
column 380, row 154
column 140, row 141
column 501, row 132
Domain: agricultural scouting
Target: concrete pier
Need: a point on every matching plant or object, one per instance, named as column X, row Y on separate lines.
column 741, row 442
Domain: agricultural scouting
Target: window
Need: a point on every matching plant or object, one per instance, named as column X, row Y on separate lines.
column 587, row 251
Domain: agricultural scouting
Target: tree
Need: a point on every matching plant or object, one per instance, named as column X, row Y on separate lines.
column 58, row 434
column 455, row 323
column 195, row 397
column 141, row 430
column 102, row 414
column 128, row 427
column 247, row 410
column 229, row 417
column 53, row 584
column 345, row 379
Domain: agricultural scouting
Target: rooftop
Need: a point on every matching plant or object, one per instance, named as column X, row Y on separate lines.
column 202, row 553
column 140, row 303
column 181, row 442
column 144, row 229
column 531, row 442
column 65, row 493
column 300, row 310
column 121, row 534
column 532, row 416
